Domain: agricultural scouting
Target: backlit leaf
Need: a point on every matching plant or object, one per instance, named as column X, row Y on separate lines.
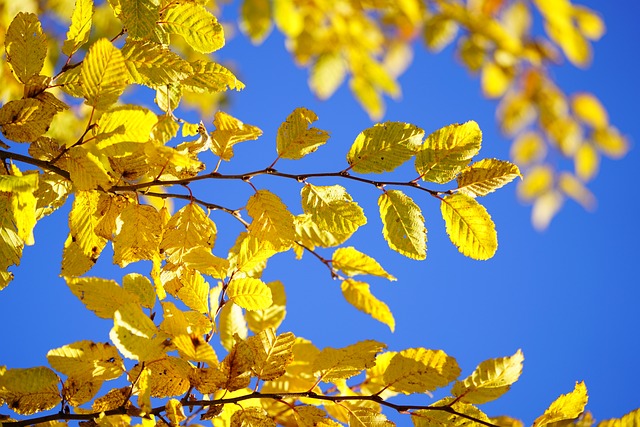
column 196, row 24
column 589, row 110
column 353, row 262
column 83, row 220
column 188, row 286
column 332, row 208
column 31, row 390
column 24, row 120
column 575, row 189
column 202, row 260
column 230, row 131
column 417, row 370
column 443, row 418
column 250, row 254
column 195, row 348
column 632, row 419
column 490, row 380
column 255, row 19
column 188, row 228
column 80, row 391
column 486, row 176
column 251, row 417
column 139, row 235
column 249, row 293
column 86, row 360
column 272, row 353
column 358, row 294
column 327, row 74
column 231, row 323
column 211, row 78
column 135, row 335
column 175, row 412
column 439, row 32
column 447, row 151
column 334, row 364
column 139, row 18
column 469, row 226
column 610, row 142
column 169, row 376
column 310, row 235
column 270, row 317
column 140, row 286
column 153, row 64
column 587, row 162
column 537, row 181
column 588, row 22
column 384, row 147
column 528, row 148
column 272, row 221
column 566, row 407
column 80, row 27
column 495, row 79
column 296, row 139
column 101, row 296
column 26, row 46
column 545, row 207
column 365, row 417
column 403, row 224
column 104, row 74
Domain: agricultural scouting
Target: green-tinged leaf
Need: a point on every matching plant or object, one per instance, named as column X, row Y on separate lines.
column 255, row 19
column 139, row 18
column 26, row 46
column 403, row 224
column 196, row 24
column 31, row 390
column 417, row 370
column 469, row 226
column 327, row 74
column 139, row 235
column 80, row 27
column 366, row 417
column 188, row 228
column 249, row 293
column 210, row 77
column 358, row 294
column 230, row 131
column 17, row 184
column 153, row 64
column 25, row 120
column 104, row 74
column 353, row 262
column 332, row 208
column 334, row 364
column 486, row 176
column 101, row 296
column 296, row 139
column 140, row 286
column 270, row 317
column 632, row 419
column 272, row 221
column 490, row 380
column 135, row 335
column 272, row 353
column 250, row 254
column 566, row 407
column 442, row 418
column 384, row 147
column 86, row 360
column 447, row 151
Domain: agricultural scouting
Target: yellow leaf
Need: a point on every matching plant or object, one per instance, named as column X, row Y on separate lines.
column 109, row 209
column 231, row 323
column 272, row 354
column 439, row 32
column 83, row 219
column 86, row 360
column 610, row 142
column 153, row 64
column 447, row 151
column 469, row 226
column 250, row 254
column 571, row 41
column 384, row 147
column 26, row 46
column 366, row 417
column 589, row 110
column 296, row 139
column 194, row 347
column 588, row 22
column 115, row 398
column 31, row 390
column 135, row 335
column 537, row 181
column 271, row 317
column 632, row 419
column 80, row 391
column 140, row 286
column 272, row 221
column 139, row 235
column 188, row 286
column 586, row 162
column 545, row 207
column 490, row 380
column 353, row 262
column 566, row 407
column 288, row 17
column 417, row 370
column 496, row 79
column 358, row 294
column 80, row 27
column 433, row 418
column 486, row 176
column 175, row 413
column 255, row 19
column 310, row 235
column 202, row 260
column 11, row 244
column 143, row 390
column 196, row 24
column 24, row 120
column 403, row 224
column 121, row 129
column 506, row 421
column 177, row 322
column 374, row 382
column 334, row 364
column 574, row 188
column 230, row 131
column 101, row 296
column 327, row 74
column 139, row 18
column 23, row 202
column 104, row 75
column 528, row 148
column 515, row 112
column 74, row 261
column 188, row 228
column 86, row 170
column 211, row 78
column 368, row 96
column 249, row 293
column 169, row 376
column 253, row 417
column 332, row 208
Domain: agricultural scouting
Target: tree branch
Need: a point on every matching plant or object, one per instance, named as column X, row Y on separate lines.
column 35, row 162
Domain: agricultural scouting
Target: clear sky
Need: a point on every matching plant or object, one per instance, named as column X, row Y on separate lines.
column 568, row 296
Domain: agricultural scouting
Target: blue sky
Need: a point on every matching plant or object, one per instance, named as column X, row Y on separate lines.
column 568, row 296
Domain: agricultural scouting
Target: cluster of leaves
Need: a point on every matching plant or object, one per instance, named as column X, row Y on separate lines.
column 370, row 42
column 119, row 170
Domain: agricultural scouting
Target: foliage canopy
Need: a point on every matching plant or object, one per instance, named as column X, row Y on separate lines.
column 119, row 164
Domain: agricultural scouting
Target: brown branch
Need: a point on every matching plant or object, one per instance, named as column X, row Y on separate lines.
column 255, row 395
column 35, row 162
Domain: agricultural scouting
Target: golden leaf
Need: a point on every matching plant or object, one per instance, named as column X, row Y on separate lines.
column 135, row 335
column 104, row 74
column 31, row 390
column 486, row 176
column 169, row 376
column 86, row 360
column 417, row 370
column 353, row 262
column 188, row 228
column 101, row 296
column 403, row 224
column 334, row 364
column 273, row 316
column 26, row 46
column 80, row 27
column 271, row 353
column 194, row 347
column 139, row 235
column 255, row 19
column 358, row 294
column 332, row 208
column 469, row 226
column 272, row 221
column 230, row 131
column 566, row 407
column 440, row 418
column 296, row 139
column 25, row 120
column 196, row 24
column 249, row 293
